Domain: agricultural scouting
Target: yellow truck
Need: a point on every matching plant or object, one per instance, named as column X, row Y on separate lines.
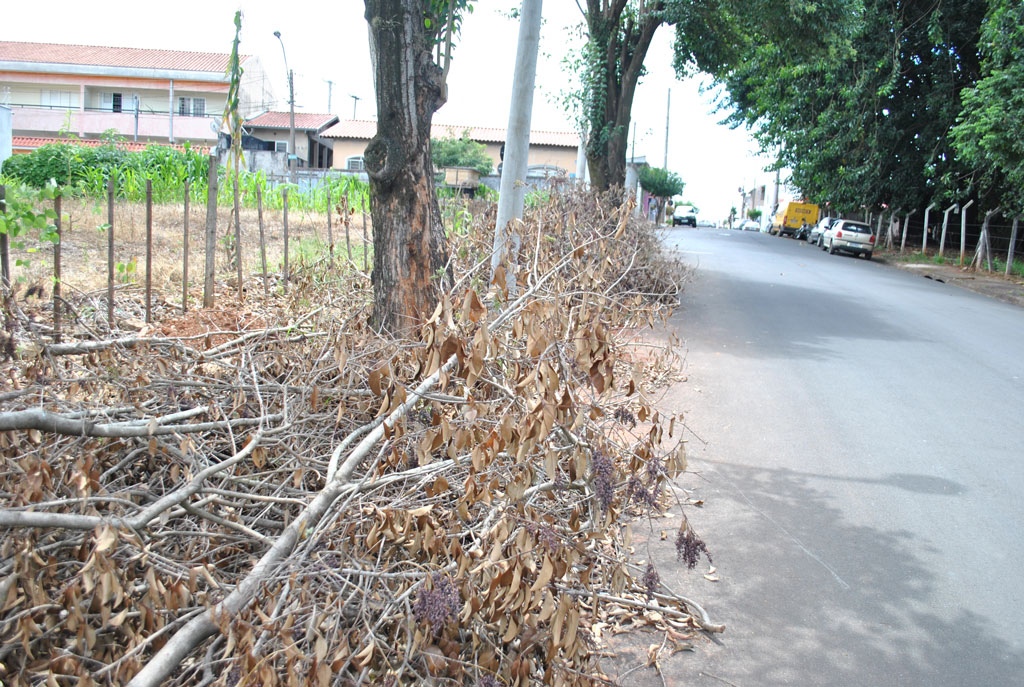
column 792, row 215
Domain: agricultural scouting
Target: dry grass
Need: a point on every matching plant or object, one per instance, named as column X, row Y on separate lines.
column 84, row 246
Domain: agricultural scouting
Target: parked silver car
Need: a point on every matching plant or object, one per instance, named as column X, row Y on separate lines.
column 814, row 235
column 850, row 237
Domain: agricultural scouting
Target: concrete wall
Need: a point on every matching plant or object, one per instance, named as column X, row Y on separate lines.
column 557, row 156
column 5, row 134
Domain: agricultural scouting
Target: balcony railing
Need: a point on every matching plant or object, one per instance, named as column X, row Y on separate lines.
column 91, row 122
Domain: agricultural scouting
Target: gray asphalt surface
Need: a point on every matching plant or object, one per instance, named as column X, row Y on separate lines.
column 857, row 440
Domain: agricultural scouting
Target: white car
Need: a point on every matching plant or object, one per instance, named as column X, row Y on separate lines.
column 684, row 214
column 849, row 236
column 750, row 225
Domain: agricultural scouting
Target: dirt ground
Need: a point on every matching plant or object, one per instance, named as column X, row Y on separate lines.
column 991, row 284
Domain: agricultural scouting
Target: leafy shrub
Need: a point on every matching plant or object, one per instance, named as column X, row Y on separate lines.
column 461, row 152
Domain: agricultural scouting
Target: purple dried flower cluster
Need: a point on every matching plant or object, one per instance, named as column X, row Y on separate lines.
column 656, row 469
column 625, row 417
column 438, row 605
column 488, row 681
column 638, row 493
column 689, row 547
column 603, row 473
column 651, row 580
column 545, row 534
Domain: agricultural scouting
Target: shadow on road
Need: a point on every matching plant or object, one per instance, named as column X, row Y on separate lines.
column 778, row 320
column 832, row 603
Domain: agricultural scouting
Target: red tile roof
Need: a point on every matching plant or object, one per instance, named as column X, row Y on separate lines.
column 96, row 55
column 28, row 143
column 366, row 129
column 279, row 120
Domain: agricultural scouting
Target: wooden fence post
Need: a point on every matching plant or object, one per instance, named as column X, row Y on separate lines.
column 284, row 198
column 184, row 258
column 149, row 251
column 110, row 253
column 56, row 270
column 346, row 219
column 330, row 211
column 211, row 231
column 238, row 239
column 263, row 243
column 5, row 250
column 1013, row 241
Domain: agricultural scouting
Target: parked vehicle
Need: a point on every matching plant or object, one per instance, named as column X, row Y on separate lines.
column 791, row 216
column 814, row 236
column 849, row 236
column 803, row 232
column 684, row 214
column 750, row 225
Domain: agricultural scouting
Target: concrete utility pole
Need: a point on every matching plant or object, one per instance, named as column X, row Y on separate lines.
column 330, row 88
column 668, row 109
column 355, row 101
column 512, row 192
column 292, row 157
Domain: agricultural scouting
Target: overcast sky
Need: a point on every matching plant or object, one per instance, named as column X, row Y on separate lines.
column 328, row 41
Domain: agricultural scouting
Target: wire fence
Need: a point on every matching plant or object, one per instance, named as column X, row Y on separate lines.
column 177, row 252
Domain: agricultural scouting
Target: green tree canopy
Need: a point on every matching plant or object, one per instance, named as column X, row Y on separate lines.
column 461, row 152
column 660, row 182
column 987, row 134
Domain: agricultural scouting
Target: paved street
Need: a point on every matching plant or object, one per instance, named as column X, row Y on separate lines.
column 857, row 439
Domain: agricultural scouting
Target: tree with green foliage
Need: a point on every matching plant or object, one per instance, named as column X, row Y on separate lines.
column 987, row 133
column 863, row 119
column 461, row 152
column 662, row 184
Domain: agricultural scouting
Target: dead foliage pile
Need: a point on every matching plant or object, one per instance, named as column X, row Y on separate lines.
column 304, row 502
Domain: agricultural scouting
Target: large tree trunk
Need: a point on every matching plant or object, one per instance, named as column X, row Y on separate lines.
column 621, row 41
column 410, row 258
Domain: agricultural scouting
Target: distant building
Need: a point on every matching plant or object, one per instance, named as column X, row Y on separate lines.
column 158, row 96
column 274, row 128
column 552, row 153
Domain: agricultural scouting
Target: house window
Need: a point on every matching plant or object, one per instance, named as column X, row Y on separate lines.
column 55, row 99
column 192, row 107
column 111, row 102
column 355, row 163
column 280, row 146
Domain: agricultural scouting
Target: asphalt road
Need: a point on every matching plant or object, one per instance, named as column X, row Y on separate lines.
column 856, row 437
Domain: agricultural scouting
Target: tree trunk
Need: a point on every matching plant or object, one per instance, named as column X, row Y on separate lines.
column 410, row 258
column 621, row 41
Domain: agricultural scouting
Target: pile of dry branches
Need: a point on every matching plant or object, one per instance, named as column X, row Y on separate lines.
column 307, row 503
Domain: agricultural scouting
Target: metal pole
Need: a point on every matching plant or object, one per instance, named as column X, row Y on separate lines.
column 291, row 108
column 293, row 157
column 512, row 192
column 963, row 229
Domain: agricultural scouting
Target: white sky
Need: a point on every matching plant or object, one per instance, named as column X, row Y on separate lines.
column 328, row 40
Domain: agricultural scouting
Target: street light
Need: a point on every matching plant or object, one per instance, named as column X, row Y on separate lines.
column 291, row 105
